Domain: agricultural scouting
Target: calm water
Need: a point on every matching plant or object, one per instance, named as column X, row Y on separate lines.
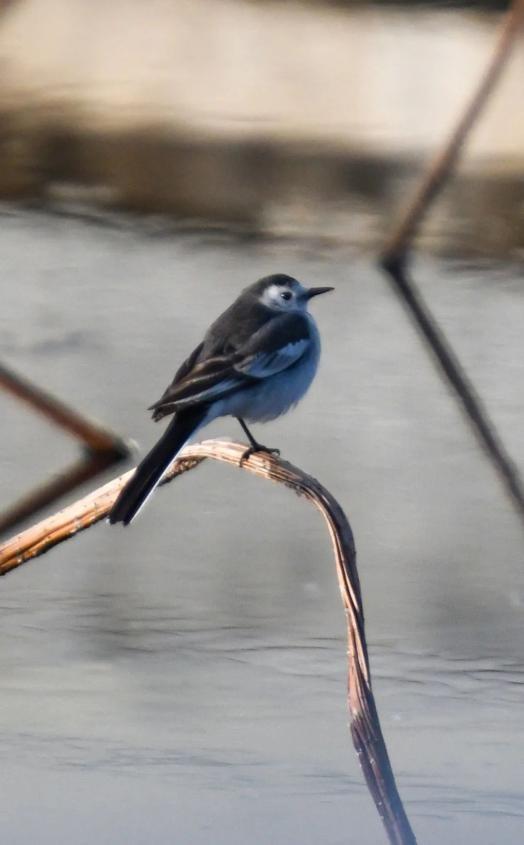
column 184, row 680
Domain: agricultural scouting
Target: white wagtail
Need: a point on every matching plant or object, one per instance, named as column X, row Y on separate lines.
column 255, row 362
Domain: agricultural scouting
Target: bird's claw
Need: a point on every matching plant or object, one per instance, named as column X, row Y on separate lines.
column 252, row 450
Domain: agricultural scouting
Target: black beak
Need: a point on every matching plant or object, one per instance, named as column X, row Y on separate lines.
column 316, row 292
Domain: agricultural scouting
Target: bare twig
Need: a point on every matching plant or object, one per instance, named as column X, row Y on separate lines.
column 395, row 259
column 441, row 167
column 103, row 448
column 450, row 365
column 365, row 724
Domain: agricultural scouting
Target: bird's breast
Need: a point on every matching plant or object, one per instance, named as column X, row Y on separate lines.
column 271, row 397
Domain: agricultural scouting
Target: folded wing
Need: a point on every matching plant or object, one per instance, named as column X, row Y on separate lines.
column 279, row 344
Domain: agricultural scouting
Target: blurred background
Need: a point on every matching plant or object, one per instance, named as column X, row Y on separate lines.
column 285, row 118
column 184, row 680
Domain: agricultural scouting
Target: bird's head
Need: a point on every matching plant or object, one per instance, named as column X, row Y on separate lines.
column 284, row 293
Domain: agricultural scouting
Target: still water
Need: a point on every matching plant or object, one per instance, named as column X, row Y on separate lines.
column 184, row 680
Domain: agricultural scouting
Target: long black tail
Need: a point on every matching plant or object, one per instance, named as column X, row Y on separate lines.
column 149, row 472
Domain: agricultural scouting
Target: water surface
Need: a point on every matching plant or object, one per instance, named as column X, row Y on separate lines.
column 184, row 680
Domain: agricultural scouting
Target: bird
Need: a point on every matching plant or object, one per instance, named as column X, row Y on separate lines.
column 256, row 361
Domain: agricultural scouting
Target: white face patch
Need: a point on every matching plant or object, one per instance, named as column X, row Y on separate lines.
column 285, row 297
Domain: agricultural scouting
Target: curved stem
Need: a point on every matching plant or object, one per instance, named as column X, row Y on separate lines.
column 365, row 725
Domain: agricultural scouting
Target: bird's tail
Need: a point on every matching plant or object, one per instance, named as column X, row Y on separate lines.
column 149, row 472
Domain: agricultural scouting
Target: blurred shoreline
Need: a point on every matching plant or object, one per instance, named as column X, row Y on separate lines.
column 201, row 110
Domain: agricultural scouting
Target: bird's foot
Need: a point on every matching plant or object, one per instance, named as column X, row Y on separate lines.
column 257, row 447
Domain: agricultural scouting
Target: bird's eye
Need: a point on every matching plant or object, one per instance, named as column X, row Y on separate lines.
column 286, row 294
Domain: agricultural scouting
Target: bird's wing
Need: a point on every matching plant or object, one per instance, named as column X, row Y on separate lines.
column 274, row 347
column 188, row 364
column 207, row 380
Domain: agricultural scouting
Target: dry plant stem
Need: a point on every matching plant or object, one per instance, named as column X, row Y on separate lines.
column 395, row 259
column 103, row 448
column 477, row 415
column 442, row 165
column 365, row 726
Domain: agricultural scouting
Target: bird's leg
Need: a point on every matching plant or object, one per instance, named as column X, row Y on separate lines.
column 255, row 445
